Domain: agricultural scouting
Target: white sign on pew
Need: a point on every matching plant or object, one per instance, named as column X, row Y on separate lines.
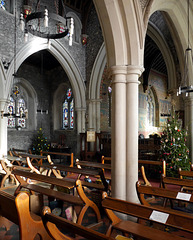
column 183, row 196
column 159, row 216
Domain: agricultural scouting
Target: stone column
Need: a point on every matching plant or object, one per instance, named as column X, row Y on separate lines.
column 98, row 117
column 132, row 95
column 118, row 133
column 189, row 122
column 79, row 120
column 83, row 115
column 3, row 131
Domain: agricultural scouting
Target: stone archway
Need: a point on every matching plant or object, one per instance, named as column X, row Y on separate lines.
column 67, row 63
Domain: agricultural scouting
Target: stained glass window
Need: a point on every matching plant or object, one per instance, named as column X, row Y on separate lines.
column 11, row 111
column 2, row 4
column 72, row 114
column 150, row 109
column 65, row 114
column 68, row 111
column 16, row 108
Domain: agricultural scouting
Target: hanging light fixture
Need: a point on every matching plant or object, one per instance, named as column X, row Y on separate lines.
column 188, row 71
column 30, row 22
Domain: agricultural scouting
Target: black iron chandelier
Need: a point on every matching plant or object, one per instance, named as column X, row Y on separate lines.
column 46, row 24
column 184, row 85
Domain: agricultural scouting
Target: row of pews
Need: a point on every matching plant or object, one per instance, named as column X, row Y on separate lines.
column 49, row 181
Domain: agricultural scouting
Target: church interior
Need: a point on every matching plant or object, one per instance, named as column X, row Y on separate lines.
column 92, row 82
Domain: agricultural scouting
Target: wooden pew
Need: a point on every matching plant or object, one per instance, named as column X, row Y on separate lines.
column 152, row 163
column 57, row 168
column 71, row 155
column 16, row 210
column 52, row 169
column 185, row 173
column 163, row 193
column 52, row 222
column 164, row 217
column 176, row 181
column 141, row 162
column 83, row 201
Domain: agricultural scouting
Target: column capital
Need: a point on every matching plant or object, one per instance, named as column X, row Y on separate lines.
column 134, row 69
column 80, row 109
column 126, row 74
column 127, row 69
column 95, row 100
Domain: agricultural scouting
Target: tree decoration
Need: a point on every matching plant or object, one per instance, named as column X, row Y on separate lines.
column 39, row 143
column 173, row 147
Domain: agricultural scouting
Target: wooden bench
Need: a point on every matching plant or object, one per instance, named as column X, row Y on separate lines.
column 81, row 200
column 52, row 169
column 16, row 210
column 71, row 155
column 152, row 163
column 185, row 174
column 52, row 222
column 141, row 162
column 164, row 217
column 33, row 157
column 57, row 169
column 165, row 194
column 176, row 181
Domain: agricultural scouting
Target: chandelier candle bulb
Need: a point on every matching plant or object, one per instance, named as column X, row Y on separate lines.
column 22, row 24
column 46, row 18
column 26, row 36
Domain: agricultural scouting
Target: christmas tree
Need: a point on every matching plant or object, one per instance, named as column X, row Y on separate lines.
column 39, row 143
column 173, row 147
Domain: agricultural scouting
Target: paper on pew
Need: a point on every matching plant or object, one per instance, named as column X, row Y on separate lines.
column 159, row 216
column 71, row 214
column 183, row 196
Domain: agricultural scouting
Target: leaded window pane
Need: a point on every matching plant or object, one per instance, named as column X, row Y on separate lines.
column 65, row 114
column 72, row 114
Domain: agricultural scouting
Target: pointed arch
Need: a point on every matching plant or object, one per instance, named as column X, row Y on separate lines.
column 122, row 18
column 63, row 57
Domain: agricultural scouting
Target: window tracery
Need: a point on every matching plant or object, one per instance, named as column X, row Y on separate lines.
column 16, row 107
column 68, row 111
column 150, row 108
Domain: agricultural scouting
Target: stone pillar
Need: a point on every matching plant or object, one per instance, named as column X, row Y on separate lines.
column 188, row 101
column 132, row 95
column 98, row 113
column 3, row 131
column 118, row 133
column 79, row 120
column 83, row 115
column 90, row 112
column 94, row 115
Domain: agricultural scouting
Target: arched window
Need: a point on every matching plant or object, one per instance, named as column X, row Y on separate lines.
column 150, row 108
column 7, row 5
column 68, row 111
column 16, row 108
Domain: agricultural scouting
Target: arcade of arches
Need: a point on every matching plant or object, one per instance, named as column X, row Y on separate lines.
column 119, row 77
